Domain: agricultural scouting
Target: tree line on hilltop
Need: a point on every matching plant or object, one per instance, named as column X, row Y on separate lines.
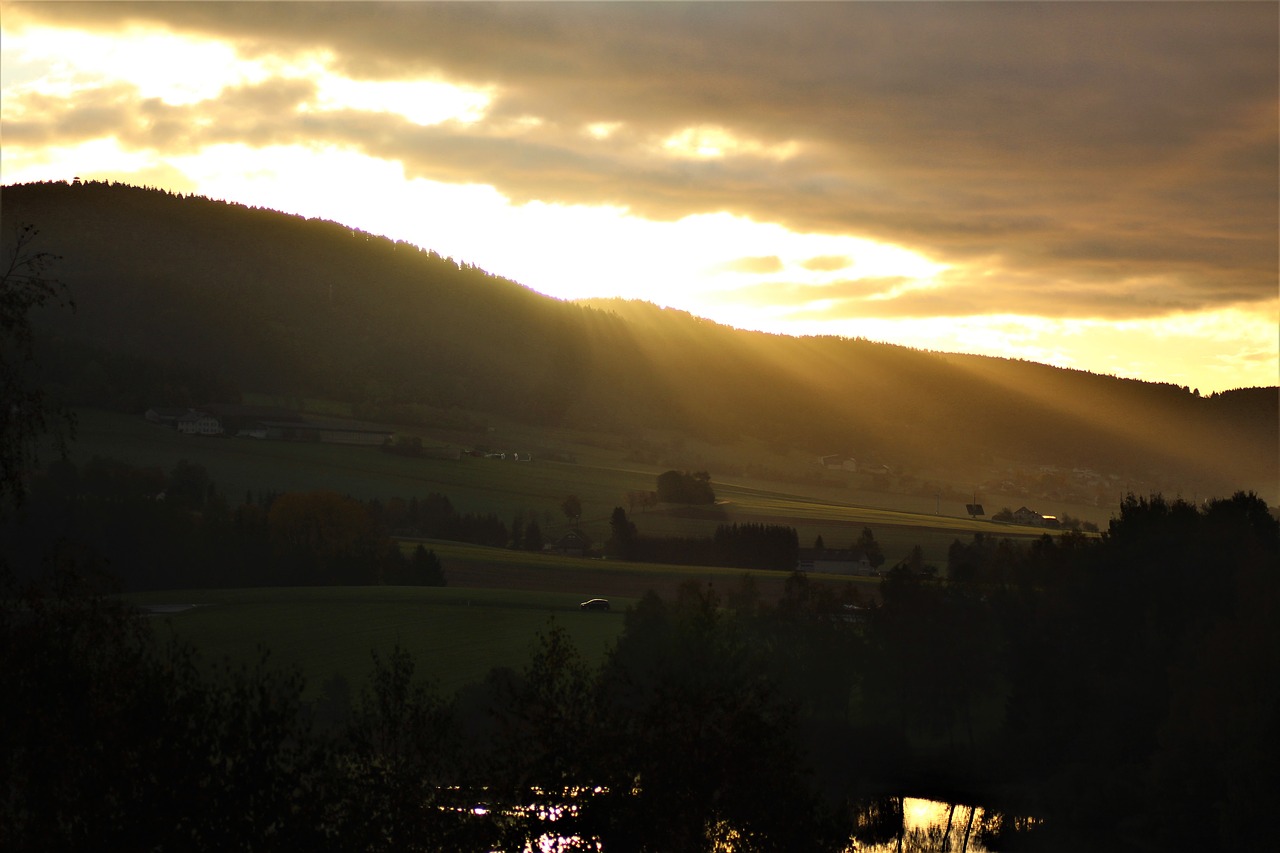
column 192, row 298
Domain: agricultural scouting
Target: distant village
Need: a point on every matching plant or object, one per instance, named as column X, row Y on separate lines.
column 1046, row 483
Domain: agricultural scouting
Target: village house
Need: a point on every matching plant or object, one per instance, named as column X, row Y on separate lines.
column 843, row 463
column 196, row 422
column 1023, row 515
column 573, row 544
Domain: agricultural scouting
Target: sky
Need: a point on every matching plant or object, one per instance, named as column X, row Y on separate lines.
column 1090, row 185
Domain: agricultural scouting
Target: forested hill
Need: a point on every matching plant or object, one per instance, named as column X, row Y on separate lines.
column 208, row 298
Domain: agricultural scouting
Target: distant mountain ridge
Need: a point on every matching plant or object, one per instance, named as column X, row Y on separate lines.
column 225, row 298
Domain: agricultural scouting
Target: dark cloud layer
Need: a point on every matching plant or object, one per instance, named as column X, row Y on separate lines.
column 1113, row 159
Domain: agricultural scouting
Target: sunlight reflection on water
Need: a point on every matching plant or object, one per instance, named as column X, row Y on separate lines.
column 929, row 825
column 925, row 826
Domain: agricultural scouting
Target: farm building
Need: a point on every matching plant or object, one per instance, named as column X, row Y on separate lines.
column 573, row 544
column 844, row 463
column 1023, row 515
column 195, row 422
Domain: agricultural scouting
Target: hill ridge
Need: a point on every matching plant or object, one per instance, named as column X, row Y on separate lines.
column 229, row 298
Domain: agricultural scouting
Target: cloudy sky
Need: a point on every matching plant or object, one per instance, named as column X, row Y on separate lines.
column 1092, row 185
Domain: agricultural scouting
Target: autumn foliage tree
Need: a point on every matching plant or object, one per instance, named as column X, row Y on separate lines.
column 330, row 538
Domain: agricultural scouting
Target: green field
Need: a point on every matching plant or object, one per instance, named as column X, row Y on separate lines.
column 497, row 600
column 498, row 603
column 455, row 635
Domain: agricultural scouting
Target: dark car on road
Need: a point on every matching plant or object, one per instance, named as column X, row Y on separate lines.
column 595, row 604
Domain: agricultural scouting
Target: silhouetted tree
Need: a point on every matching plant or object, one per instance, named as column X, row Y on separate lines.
column 685, row 488
column 548, row 741
column 867, row 546
column 914, row 563
column 699, row 744
column 398, row 752
column 185, row 756
column 757, row 546
column 425, row 568
column 188, row 485
column 622, row 535
column 642, row 498
column 26, row 414
column 533, row 540
column 572, row 508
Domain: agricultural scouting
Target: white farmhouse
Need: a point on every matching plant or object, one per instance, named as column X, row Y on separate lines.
column 195, row 422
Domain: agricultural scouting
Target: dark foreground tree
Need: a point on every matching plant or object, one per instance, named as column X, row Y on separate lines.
column 110, row 740
column 1143, row 673
column 701, row 744
column 26, row 414
column 543, row 742
column 533, row 540
column 114, row 739
column 400, row 769
column 680, row 741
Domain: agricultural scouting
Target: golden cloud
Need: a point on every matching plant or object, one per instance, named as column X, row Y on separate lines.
column 767, row 264
column 827, row 263
column 1075, row 160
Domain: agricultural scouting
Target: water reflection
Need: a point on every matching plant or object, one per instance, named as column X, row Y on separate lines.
column 884, row 825
column 910, row 825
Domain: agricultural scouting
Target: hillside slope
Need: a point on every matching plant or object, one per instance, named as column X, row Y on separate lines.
column 217, row 297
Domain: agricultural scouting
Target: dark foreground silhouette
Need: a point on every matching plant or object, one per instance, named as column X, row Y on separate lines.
column 1122, row 691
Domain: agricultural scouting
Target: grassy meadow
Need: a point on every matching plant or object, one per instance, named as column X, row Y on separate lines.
column 497, row 604
column 498, row 600
column 455, row 635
